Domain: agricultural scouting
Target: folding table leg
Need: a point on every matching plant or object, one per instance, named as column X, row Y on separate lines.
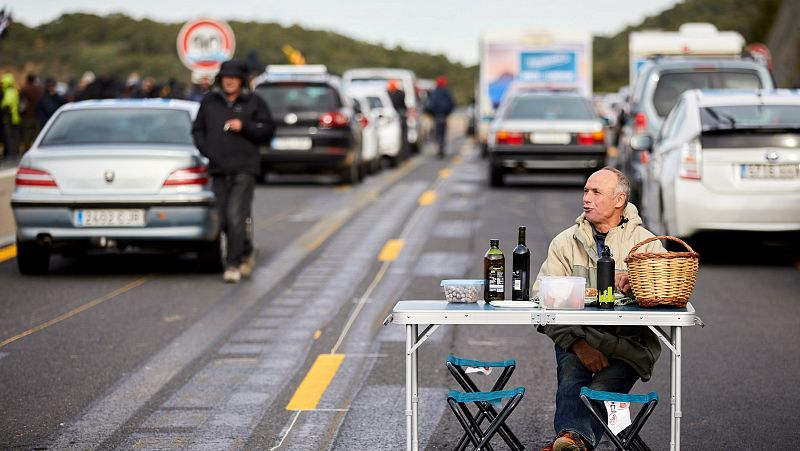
column 678, row 413
column 410, row 339
column 415, row 390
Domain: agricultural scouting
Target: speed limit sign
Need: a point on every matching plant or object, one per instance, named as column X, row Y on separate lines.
column 204, row 44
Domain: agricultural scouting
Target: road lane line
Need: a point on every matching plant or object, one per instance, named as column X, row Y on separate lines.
column 427, row 198
column 391, row 250
column 8, row 252
column 444, row 173
column 138, row 282
column 310, row 391
column 278, row 218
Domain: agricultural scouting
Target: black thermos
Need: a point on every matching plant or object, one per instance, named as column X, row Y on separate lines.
column 605, row 279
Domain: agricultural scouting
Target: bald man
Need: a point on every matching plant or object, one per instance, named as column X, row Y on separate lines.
column 607, row 358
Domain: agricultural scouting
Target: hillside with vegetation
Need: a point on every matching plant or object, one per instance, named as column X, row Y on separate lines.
column 116, row 45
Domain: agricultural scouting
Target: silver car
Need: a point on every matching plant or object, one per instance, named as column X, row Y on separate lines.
column 545, row 132
column 115, row 174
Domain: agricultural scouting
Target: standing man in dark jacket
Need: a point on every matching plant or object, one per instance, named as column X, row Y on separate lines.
column 229, row 127
column 398, row 98
column 440, row 104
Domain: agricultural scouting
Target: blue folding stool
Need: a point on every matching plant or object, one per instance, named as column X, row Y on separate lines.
column 486, row 410
column 628, row 439
column 480, row 438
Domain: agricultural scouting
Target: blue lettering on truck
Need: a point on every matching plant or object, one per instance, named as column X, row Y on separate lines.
column 559, row 66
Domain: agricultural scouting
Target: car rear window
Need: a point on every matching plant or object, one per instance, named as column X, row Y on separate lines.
column 549, row 108
column 672, row 85
column 379, row 82
column 297, row 97
column 120, row 126
column 374, row 102
column 750, row 116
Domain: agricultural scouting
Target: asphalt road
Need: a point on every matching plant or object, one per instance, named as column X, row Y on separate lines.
column 136, row 352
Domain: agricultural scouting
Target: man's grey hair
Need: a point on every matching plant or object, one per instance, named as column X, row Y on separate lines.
column 623, row 184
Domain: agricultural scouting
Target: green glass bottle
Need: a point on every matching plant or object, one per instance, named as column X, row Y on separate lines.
column 494, row 272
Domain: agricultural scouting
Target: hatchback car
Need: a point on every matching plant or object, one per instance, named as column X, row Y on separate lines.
column 725, row 161
column 658, row 86
column 316, row 130
column 114, row 174
column 545, row 132
column 378, row 107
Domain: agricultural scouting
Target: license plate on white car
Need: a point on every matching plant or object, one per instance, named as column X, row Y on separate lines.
column 109, row 217
column 770, row 171
column 291, row 143
column 550, row 138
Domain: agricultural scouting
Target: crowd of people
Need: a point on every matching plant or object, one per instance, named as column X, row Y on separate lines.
column 25, row 107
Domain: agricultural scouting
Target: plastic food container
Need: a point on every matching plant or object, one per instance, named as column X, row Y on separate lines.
column 463, row 290
column 562, row 292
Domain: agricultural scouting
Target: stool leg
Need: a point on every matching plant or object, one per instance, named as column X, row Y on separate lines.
column 478, row 432
column 455, row 407
column 499, row 421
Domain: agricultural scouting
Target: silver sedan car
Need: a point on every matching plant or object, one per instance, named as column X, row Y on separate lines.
column 115, row 174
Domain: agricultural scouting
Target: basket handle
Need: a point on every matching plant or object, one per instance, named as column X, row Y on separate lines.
column 660, row 237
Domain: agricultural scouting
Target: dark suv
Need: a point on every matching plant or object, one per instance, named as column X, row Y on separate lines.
column 657, row 88
column 316, row 130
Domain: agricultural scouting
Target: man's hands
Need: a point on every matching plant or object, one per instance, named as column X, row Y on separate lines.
column 622, row 282
column 592, row 359
column 233, row 125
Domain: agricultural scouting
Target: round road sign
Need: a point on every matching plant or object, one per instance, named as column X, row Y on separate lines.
column 204, row 44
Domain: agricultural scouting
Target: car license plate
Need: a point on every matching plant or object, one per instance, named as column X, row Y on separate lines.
column 770, row 171
column 109, row 218
column 298, row 143
column 550, row 138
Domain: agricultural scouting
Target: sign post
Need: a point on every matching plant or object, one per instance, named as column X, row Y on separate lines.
column 204, row 44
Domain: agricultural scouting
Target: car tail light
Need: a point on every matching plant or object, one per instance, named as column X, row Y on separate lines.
column 509, row 138
column 690, row 160
column 34, row 177
column 591, row 138
column 333, row 119
column 639, row 123
column 363, row 121
column 197, row 175
column 411, row 113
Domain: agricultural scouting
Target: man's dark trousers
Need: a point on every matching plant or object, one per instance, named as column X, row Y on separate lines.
column 234, row 193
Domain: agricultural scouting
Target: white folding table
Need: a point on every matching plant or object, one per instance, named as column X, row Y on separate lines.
column 432, row 314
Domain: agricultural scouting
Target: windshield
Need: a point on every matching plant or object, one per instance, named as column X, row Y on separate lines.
column 549, row 108
column 750, row 116
column 120, row 126
column 374, row 102
column 295, row 98
column 671, row 86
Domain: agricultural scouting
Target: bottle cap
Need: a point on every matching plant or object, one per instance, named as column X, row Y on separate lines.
column 494, row 242
column 606, row 252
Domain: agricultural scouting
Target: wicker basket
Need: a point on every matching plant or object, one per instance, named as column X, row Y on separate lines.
column 662, row 278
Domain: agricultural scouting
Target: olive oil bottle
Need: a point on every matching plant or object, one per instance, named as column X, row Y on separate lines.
column 494, row 272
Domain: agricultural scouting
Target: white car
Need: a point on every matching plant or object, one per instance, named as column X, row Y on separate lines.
column 379, row 109
column 725, row 160
column 370, row 151
column 379, row 77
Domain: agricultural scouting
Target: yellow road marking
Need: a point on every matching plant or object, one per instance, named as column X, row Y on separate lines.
column 612, row 151
column 456, row 159
column 391, row 250
column 427, row 198
column 444, row 173
column 310, row 391
column 77, row 310
column 7, row 253
column 342, row 188
column 317, row 334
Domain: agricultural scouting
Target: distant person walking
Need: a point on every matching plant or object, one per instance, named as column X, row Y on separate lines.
column 49, row 102
column 29, row 98
column 9, row 111
column 440, row 104
column 398, row 98
column 230, row 125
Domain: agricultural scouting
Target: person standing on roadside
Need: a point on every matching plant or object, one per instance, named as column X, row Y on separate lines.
column 398, row 98
column 49, row 102
column 229, row 127
column 9, row 110
column 29, row 97
column 440, row 104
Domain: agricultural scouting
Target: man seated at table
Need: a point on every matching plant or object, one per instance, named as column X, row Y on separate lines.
column 608, row 358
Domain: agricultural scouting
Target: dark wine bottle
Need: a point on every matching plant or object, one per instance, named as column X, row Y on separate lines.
column 494, row 272
column 520, row 289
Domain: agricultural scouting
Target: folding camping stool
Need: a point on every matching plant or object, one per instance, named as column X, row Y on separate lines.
column 486, row 410
column 480, row 438
column 628, row 439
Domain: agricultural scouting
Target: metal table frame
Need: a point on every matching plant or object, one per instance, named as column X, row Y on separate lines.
column 433, row 314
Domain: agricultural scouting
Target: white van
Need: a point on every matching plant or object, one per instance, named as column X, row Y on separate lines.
column 379, row 76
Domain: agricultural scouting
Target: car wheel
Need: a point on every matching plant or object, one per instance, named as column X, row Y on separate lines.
column 32, row 258
column 349, row 174
column 210, row 256
column 495, row 175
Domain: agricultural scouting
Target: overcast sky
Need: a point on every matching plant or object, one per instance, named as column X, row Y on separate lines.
column 440, row 26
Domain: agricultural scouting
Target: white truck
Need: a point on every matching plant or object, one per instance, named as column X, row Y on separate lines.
column 533, row 60
column 691, row 39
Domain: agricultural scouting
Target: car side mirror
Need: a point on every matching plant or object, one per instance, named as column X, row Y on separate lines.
column 642, row 143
